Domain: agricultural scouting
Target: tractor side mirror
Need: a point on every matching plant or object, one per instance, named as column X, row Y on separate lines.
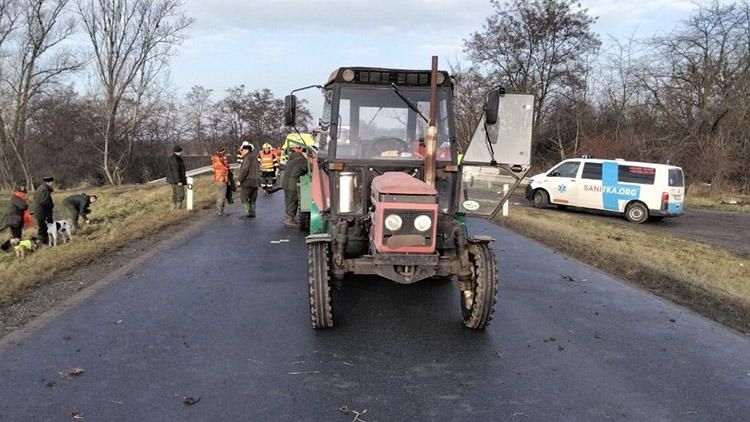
column 492, row 105
column 290, row 110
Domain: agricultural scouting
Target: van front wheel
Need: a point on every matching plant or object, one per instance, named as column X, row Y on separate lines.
column 541, row 199
column 636, row 213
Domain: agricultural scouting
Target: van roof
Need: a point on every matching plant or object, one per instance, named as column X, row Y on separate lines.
column 620, row 161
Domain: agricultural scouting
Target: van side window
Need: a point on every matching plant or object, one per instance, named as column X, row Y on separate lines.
column 675, row 178
column 636, row 174
column 569, row 169
column 592, row 171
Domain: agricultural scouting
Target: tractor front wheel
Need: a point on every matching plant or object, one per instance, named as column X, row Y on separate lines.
column 318, row 277
column 304, row 221
column 478, row 304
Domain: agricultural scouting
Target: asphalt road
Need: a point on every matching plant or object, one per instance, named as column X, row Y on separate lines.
column 224, row 317
column 721, row 228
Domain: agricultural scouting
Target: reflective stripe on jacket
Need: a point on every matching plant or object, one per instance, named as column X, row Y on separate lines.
column 267, row 160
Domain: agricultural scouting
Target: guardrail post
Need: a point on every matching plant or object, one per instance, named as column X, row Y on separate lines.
column 190, row 193
column 505, row 205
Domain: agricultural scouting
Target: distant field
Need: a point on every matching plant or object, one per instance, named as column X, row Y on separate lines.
column 710, row 280
column 122, row 215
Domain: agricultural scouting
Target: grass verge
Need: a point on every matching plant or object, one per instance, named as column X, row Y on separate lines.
column 719, row 203
column 712, row 281
column 122, row 215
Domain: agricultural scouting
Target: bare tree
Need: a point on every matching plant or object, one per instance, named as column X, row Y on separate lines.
column 132, row 41
column 537, row 47
column 196, row 111
column 257, row 116
column 469, row 90
column 699, row 87
column 9, row 16
column 37, row 60
column 232, row 110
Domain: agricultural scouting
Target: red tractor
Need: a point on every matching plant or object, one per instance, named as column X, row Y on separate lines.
column 386, row 192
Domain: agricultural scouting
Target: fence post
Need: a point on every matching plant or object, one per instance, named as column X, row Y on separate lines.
column 190, row 193
column 505, row 205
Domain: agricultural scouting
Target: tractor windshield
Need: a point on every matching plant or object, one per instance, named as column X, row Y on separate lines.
column 381, row 125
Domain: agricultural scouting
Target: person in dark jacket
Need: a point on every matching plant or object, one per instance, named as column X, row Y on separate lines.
column 248, row 180
column 296, row 166
column 176, row 177
column 231, row 188
column 79, row 205
column 44, row 207
column 17, row 217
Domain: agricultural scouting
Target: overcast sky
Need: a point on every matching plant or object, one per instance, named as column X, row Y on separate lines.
column 286, row 44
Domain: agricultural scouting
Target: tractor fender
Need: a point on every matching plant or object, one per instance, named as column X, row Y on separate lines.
column 480, row 239
column 318, row 237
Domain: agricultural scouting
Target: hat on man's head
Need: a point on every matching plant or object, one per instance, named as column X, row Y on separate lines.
column 221, row 150
column 21, row 188
column 248, row 147
column 48, row 179
column 177, row 148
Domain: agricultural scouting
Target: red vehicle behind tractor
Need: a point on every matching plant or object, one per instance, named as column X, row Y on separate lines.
column 389, row 194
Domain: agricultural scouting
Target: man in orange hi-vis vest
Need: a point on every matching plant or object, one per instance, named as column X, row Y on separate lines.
column 220, row 166
column 269, row 164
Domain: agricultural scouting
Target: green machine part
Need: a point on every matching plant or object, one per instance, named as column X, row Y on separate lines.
column 307, row 205
column 305, row 192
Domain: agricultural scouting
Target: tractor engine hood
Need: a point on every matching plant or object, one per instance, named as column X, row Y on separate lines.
column 398, row 183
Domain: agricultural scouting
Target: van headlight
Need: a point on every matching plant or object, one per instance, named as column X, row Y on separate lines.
column 393, row 222
column 423, row 223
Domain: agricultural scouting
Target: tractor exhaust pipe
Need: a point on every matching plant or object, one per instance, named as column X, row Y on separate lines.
column 430, row 143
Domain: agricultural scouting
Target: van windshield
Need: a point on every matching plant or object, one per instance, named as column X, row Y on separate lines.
column 675, row 178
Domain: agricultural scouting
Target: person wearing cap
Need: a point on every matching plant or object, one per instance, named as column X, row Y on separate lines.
column 248, row 180
column 18, row 215
column 79, row 206
column 176, row 177
column 296, row 166
column 220, row 166
column 44, row 208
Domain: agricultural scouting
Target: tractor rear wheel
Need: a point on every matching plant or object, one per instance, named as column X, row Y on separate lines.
column 318, row 277
column 478, row 304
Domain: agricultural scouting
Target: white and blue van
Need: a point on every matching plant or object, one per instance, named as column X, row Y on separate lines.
column 638, row 190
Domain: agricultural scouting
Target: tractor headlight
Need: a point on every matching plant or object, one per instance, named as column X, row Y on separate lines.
column 393, row 222
column 423, row 223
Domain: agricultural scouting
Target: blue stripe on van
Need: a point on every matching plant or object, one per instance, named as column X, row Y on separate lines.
column 674, row 208
column 613, row 192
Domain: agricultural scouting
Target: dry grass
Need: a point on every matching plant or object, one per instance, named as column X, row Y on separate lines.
column 121, row 215
column 710, row 280
column 705, row 197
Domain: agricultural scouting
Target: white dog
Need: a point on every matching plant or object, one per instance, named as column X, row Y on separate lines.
column 59, row 228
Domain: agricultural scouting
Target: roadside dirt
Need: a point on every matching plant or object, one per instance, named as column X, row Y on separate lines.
column 45, row 297
column 721, row 228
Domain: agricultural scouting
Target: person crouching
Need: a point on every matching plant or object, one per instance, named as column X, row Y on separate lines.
column 79, row 206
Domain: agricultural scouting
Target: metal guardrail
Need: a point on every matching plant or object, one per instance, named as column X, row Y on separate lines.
column 190, row 180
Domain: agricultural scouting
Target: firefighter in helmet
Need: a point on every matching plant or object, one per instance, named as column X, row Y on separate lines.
column 239, row 151
column 269, row 165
